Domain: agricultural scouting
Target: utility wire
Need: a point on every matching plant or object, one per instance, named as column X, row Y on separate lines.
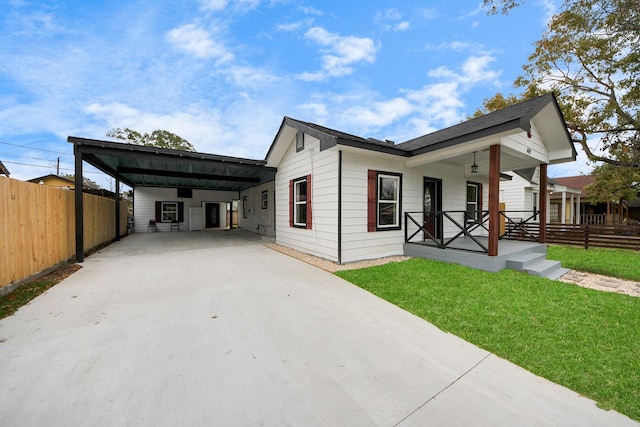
column 49, row 167
column 35, row 148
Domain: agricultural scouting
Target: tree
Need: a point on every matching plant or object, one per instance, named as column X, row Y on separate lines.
column 613, row 183
column 589, row 56
column 86, row 182
column 157, row 138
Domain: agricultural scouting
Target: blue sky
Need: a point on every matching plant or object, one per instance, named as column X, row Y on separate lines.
column 223, row 73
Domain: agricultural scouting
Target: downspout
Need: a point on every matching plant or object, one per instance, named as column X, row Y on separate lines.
column 340, row 207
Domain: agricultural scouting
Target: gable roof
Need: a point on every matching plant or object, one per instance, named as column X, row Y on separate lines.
column 3, row 169
column 516, row 116
column 513, row 118
column 51, row 175
column 578, row 182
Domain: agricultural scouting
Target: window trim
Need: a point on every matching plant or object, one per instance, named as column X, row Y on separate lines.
column 373, row 211
column 163, row 211
column 265, row 199
column 477, row 217
column 296, row 202
column 158, row 211
column 292, row 205
column 299, row 141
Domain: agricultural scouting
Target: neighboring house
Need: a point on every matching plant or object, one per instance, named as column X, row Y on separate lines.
column 589, row 211
column 346, row 198
column 520, row 196
column 3, row 169
column 52, row 180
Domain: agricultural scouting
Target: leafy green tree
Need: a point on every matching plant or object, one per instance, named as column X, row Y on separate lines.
column 589, row 56
column 157, row 138
column 613, row 183
column 86, row 182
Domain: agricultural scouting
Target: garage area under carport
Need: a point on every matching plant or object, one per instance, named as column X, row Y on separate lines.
column 136, row 165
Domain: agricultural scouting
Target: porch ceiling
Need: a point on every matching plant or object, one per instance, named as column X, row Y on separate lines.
column 154, row 167
column 463, row 157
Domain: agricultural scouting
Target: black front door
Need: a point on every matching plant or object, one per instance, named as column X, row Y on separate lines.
column 212, row 215
column 432, row 203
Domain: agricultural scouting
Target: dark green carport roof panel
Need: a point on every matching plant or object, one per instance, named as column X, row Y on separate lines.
column 156, row 167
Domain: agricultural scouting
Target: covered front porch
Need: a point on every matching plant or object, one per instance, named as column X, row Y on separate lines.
column 519, row 247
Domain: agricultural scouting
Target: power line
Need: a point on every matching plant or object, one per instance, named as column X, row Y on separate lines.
column 35, row 148
column 30, row 158
column 48, row 167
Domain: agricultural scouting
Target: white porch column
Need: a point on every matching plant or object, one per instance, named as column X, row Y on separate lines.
column 548, row 218
column 578, row 213
column 572, row 218
column 563, row 208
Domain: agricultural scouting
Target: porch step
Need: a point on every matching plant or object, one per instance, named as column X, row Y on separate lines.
column 537, row 265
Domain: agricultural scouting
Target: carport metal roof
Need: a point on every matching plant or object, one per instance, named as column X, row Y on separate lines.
column 137, row 165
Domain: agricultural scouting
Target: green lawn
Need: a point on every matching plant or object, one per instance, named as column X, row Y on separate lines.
column 586, row 340
column 10, row 303
column 610, row 262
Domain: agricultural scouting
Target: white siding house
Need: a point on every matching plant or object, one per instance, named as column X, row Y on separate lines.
column 215, row 203
column 346, row 198
column 256, row 209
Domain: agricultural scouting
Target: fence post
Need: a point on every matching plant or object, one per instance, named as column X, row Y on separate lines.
column 586, row 236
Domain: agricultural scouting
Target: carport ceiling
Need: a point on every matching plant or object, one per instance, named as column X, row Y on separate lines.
column 136, row 166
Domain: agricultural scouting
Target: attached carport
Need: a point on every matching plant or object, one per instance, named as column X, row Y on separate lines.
column 136, row 165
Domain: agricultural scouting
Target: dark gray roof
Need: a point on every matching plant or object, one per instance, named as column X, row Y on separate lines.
column 517, row 116
column 330, row 137
column 513, row 117
column 137, row 165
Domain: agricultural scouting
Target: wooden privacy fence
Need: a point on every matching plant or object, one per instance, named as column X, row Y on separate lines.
column 37, row 227
column 586, row 235
column 603, row 236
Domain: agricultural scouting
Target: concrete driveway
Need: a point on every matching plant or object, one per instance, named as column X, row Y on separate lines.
column 214, row 329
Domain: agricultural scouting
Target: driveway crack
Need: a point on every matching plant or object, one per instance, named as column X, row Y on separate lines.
column 443, row 390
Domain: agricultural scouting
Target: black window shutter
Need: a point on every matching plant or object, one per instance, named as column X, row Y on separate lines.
column 158, row 211
column 180, row 211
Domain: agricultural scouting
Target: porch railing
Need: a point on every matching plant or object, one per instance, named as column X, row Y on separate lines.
column 515, row 225
column 464, row 224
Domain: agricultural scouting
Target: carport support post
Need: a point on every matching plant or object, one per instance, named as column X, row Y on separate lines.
column 494, row 199
column 117, row 207
column 79, row 206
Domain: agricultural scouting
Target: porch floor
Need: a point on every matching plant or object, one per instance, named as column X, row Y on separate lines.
column 460, row 252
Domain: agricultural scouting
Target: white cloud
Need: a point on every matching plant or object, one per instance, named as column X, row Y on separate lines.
column 474, row 70
column 295, row 26
column 380, row 113
column 213, row 4
column 549, row 9
column 391, row 19
column 198, row 42
column 341, row 53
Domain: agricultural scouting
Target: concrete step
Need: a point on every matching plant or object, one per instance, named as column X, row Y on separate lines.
column 520, row 262
column 546, row 268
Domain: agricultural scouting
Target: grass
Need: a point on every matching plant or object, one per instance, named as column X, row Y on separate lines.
column 620, row 263
column 11, row 302
column 581, row 338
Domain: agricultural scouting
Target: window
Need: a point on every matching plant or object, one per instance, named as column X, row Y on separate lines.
column 244, row 206
column 169, row 211
column 384, row 200
column 265, row 200
column 300, row 202
column 474, row 202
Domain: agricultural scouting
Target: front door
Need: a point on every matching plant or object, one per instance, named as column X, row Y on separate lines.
column 432, row 203
column 212, row 215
